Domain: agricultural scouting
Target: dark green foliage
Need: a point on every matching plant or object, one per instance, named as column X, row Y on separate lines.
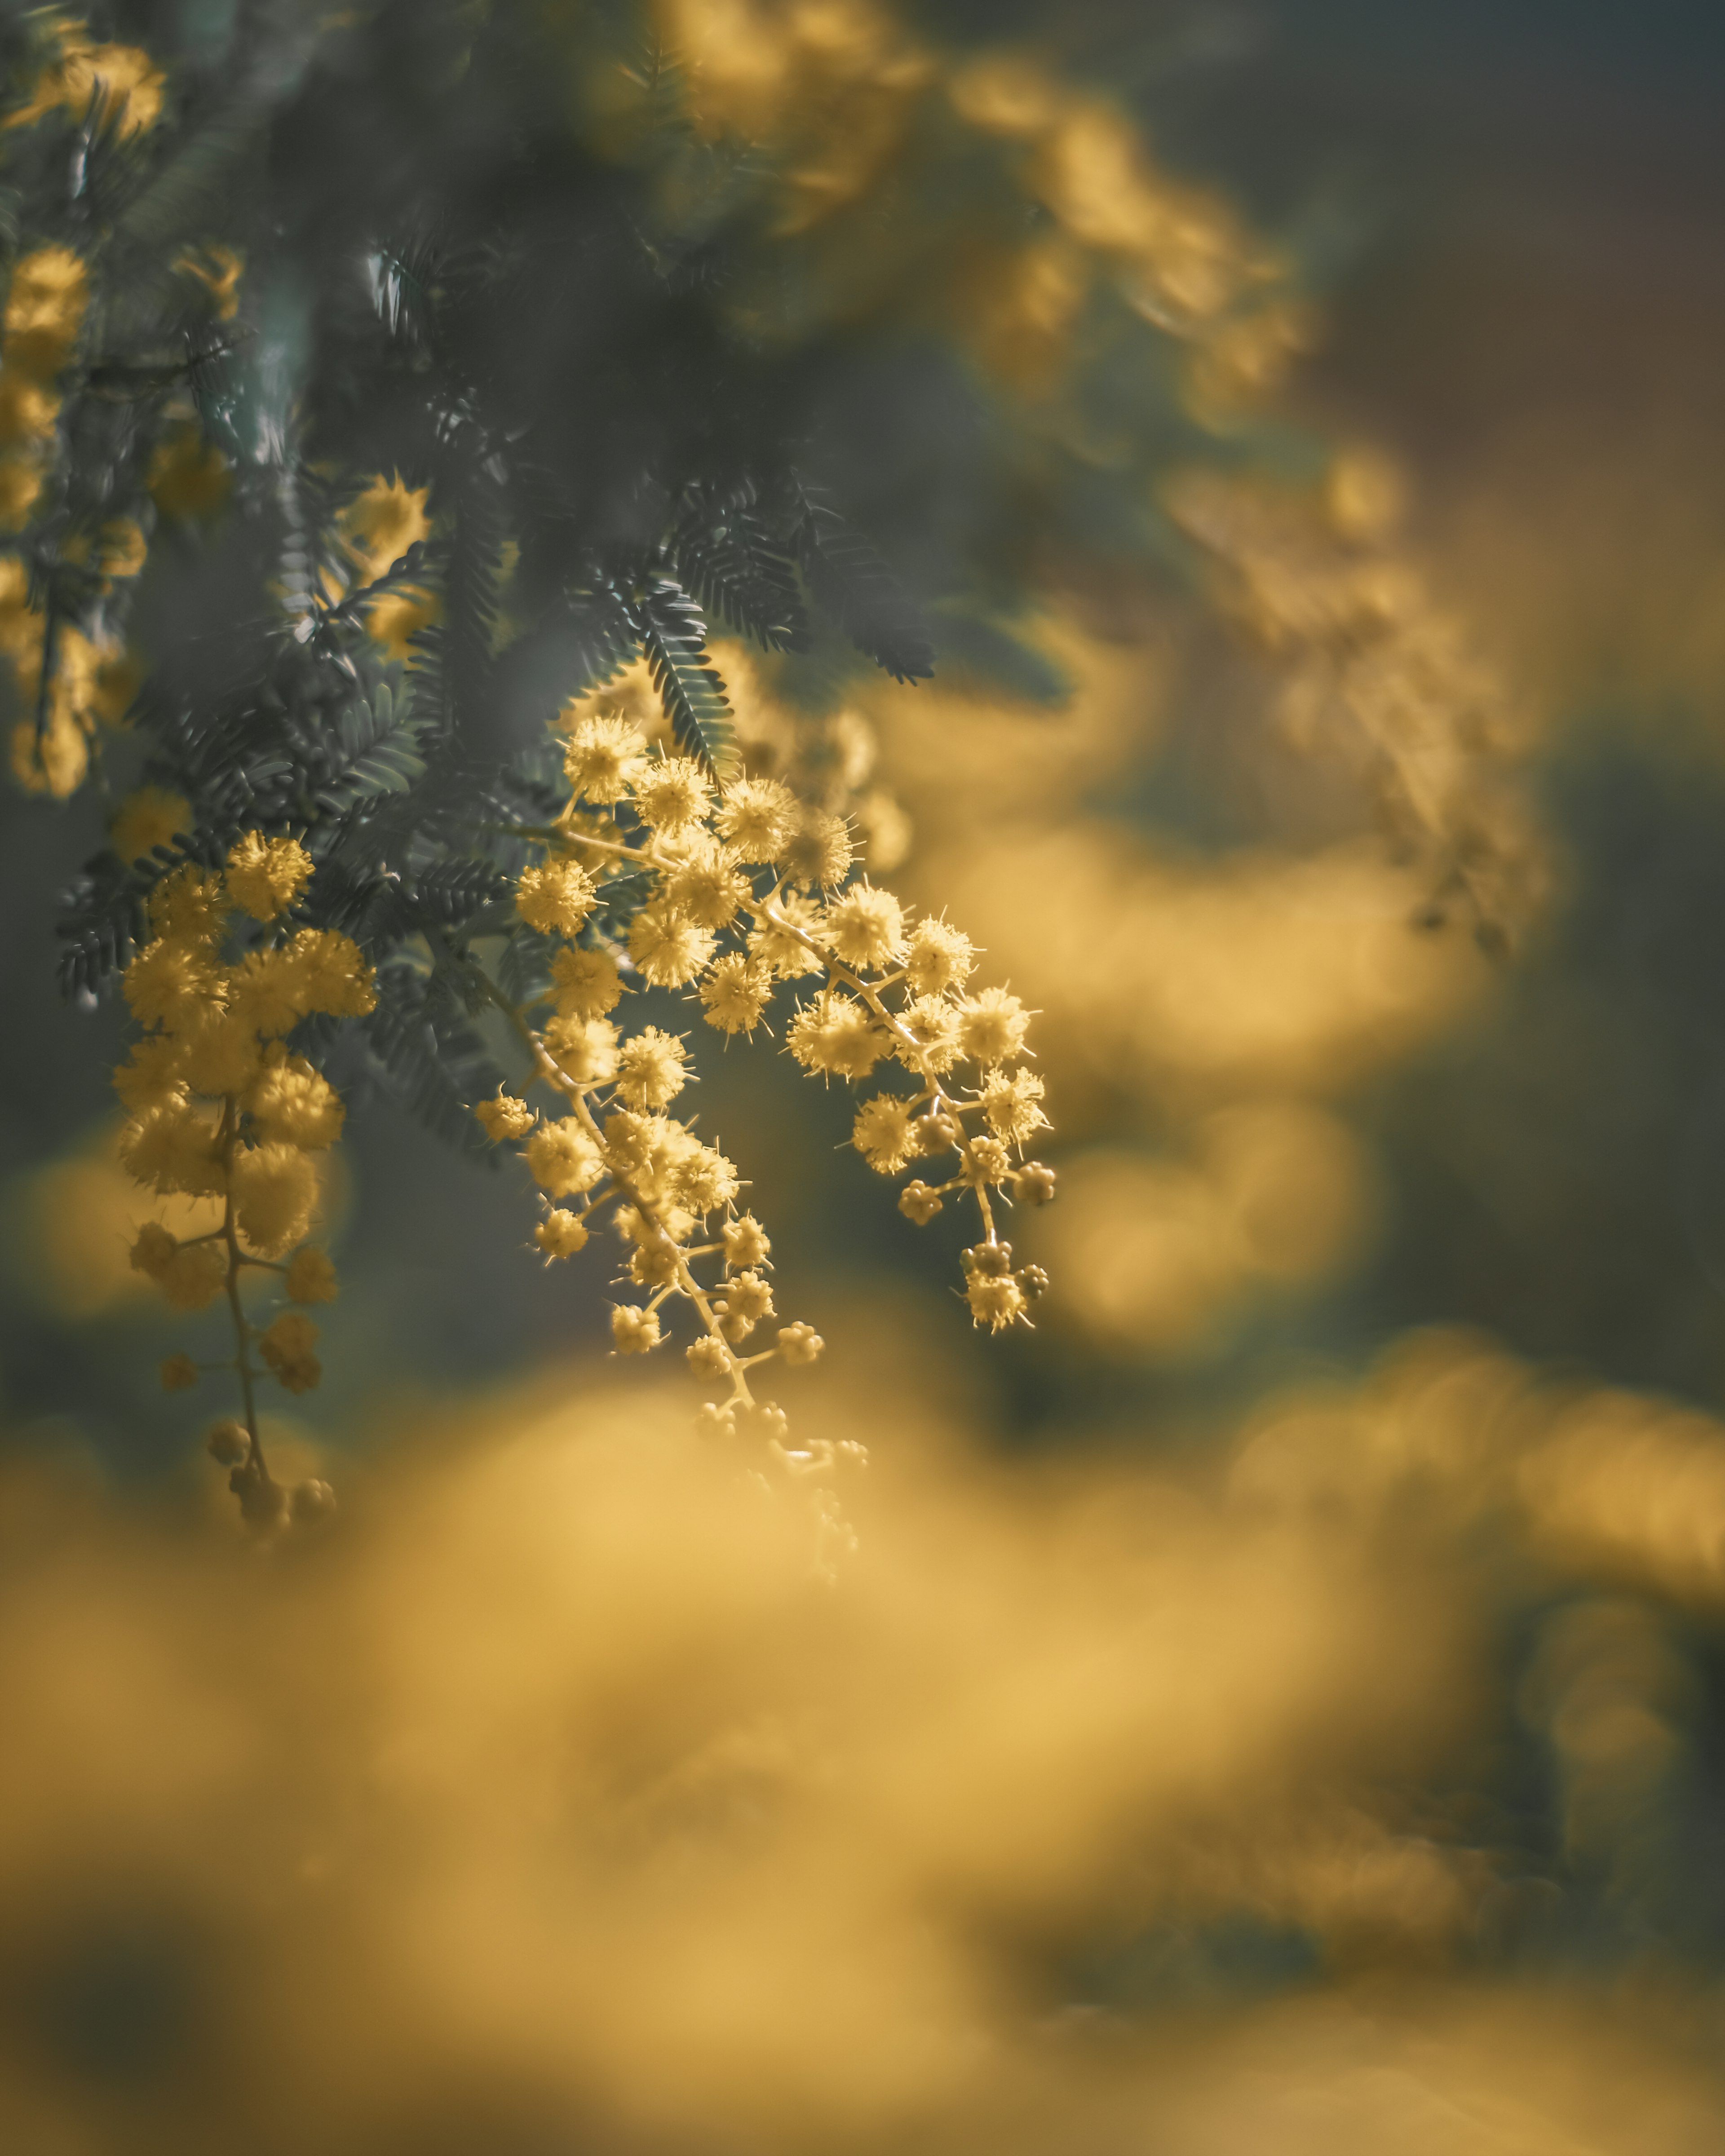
column 420, row 1052
column 848, row 577
column 446, row 284
column 373, row 748
column 727, row 556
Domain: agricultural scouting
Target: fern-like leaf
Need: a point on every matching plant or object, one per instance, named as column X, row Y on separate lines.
column 375, row 750
column 692, row 694
column 725, row 555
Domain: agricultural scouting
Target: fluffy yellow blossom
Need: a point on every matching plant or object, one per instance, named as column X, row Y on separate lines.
column 633, row 1331
column 270, row 991
column 985, row 1161
column 380, row 524
column 800, row 1343
column 995, row 1301
column 53, row 761
column 758, row 816
column 668, row 947
column 179, row 1374
column 630, row 1139
column 992, row 1025
column 562, row 1158
column 191, row 904
column 310, row 1276
column 671, row 793
column 702, row 1180
column 708, row 887
column 881, row 1133
column 274, row 1193
column 586, row 983
column 584, row 1048
column 44, row 310
column 189, row 477
column 933, row 1024
column 153, row 1251
column 784, row 942
column 218, row 1052
column 504, row 1117
column 820, row 851
column 27, row 411
column 169, row 984
column 835, row 1033
column 651, row 1069
column 173, row 1147
column 1011, row 1105
column 556, row 897
column 152, row 1078
column 604, row 756
column 937, row 957
column 734, row 994
column 288, row 1348
column 745, row 1241
column 865, row 927
column 266, row 874
column 560, row 1234
column 190, row 1275
column 334, row 978
column 123, row 77
column 147, row 818
column 395, row 619
column 194, row 1276
column 296, row 1103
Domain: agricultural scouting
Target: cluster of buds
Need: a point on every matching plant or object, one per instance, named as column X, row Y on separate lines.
column 219, row 1111
column 996, row 1293
column 735, row 888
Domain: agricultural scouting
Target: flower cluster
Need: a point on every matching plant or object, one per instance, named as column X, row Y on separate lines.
column 219, row 1109
column 90, row 678
column 739, row 888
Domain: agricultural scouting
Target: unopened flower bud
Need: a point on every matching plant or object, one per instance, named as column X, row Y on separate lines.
column 800, row 1343
column 311, row 1504
column 1033, row 1184
column 765, row 1420
column 1034, row 1280
column 991, row 1260
column 633, row 1331
column 228, row 1442
column 708, row 1358
column 934, row 1133
column 920, row 1202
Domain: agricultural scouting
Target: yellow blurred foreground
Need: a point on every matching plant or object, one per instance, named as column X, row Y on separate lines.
column 552, row 1801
